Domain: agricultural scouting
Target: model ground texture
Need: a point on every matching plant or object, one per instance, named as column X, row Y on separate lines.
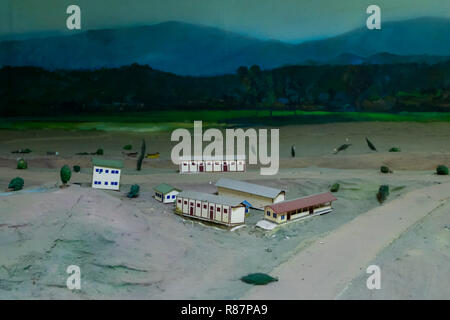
column 138, row 248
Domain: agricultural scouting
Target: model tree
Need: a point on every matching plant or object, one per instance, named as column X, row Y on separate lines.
column 16, row 184
column 65, row 174
column 141, row 156
column 22, row 164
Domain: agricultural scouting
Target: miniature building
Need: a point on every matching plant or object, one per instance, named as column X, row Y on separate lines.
column 106, row 174
column 218, row 209
column 256, row 196
column 212, row 164
column 165, row 193
column 293, row 209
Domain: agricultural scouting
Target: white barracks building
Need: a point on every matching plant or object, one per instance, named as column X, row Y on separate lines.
column 212, row 164
column 106, row 174
column 204, row 206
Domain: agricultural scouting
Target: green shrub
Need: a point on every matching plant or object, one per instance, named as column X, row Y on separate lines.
column 99, row 152
column 65, row 174
column 76, row 168
column 395, row 149
column 258, row 279
column 127, row 147
column 16, row 184
column 335, row 187
column 383, row 193
column 442, row 170
column 134, row 191
column 22, row 164
column 385, row 169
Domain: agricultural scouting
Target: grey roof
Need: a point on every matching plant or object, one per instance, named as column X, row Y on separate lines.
column 248, row 188
column 194, row 195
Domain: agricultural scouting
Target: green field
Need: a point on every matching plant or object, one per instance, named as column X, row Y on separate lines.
column 169, row 120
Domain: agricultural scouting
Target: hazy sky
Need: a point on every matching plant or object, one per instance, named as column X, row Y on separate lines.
column 288, row 20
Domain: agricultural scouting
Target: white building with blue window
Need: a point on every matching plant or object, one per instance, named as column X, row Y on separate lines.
column 165, row 193
column 106, row 174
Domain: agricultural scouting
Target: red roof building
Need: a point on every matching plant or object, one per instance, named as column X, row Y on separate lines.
column 293, row 209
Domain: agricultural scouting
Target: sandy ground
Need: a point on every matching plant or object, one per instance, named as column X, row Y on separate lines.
column 139, row 249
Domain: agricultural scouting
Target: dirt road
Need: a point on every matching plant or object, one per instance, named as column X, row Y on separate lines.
column 324, row 270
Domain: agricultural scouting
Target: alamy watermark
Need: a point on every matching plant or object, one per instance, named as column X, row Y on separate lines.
column 258, row 146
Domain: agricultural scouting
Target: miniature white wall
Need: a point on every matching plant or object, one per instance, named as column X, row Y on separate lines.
column 106, row 178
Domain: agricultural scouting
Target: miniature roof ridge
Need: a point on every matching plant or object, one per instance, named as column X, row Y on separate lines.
column 194, row 195
column 247, row 187
column 308, row 201
column 165, row 188
column 211, row 158
column 108, row 163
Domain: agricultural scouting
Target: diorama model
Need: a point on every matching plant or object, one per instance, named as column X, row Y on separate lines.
column 165, row 193
column 218, row 209
column 257, row 196
column 294, row 209
column 212, row 164
column 106, row 174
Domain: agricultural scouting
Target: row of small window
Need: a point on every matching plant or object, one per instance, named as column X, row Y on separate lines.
column 106, row 183
column 159, row 195
column 204, row 206
column 275, row 215
column 107, row 171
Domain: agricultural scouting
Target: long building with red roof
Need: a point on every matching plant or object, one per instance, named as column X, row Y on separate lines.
column 289, row 210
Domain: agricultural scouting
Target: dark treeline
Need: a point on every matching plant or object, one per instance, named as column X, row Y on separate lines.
column 31, row 91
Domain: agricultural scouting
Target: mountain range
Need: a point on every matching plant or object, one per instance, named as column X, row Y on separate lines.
column 196, row 50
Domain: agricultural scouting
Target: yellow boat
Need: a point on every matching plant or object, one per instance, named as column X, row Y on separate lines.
column 152, row 155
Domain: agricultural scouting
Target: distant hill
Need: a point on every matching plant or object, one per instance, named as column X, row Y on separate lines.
column 188, row 49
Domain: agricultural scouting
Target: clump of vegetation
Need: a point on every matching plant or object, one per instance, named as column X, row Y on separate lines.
column 335, row 187
column 258, row 279
column 385, row 169
column 383, row 193
column 22, row 164
column 134, row 191
column 99, row 152
column 442, row 170
column 395, row 149
column 16, row 184
column 22, row 151
column 76, row 168
column 65, row 174
column 141, row 156
column 127, row 147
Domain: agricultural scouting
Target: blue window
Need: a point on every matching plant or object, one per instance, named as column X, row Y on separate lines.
column 173, row 197
column 97, row 170
column 106, row 171
column 268, row 213
column 274, row 215
column 282, row 217
column 168, row 197
column 106, row 183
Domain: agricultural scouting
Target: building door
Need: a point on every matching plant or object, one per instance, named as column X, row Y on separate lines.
column 289, row 216
column 225, row 167
column 191, row 210
column 311, row 210
column 201, row 167
column 211, row 212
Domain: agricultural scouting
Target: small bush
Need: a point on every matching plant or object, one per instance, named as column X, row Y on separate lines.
column 134, row 191
column 395, row 149
column 99, row 152
column 335, row 187
column 76, row 168
column 383, row 193
column 22, row 164
column 65, row 174
column 442, row 170
column 385, row 169
column 127, row 147
column 16, row 184
column 258, row 279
